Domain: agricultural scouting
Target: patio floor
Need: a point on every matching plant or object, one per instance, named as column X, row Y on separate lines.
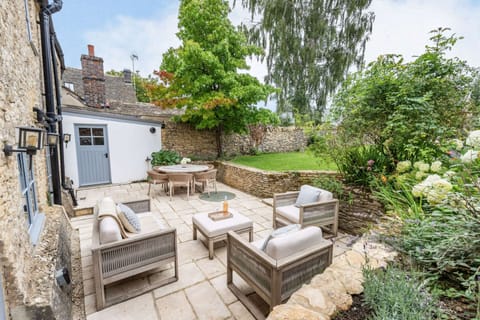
column 201, row 291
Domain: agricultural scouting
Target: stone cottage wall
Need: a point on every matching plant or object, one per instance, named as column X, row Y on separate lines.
column 188, row 141
column 20, row 91
column 358, row 209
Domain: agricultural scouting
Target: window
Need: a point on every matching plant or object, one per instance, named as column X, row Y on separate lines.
column 69, row 85
column 91, row 136
column 33, row 219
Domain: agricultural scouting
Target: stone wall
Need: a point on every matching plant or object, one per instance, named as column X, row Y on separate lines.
column 188, row 141
column 358, row 209
column 21, row 90
column 276, row 139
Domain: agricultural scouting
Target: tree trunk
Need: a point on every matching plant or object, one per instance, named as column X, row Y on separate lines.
column 219, row 141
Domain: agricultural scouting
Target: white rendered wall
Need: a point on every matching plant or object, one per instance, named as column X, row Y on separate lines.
column 129, row 144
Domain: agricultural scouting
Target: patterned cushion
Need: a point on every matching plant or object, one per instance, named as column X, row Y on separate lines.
column 129, row 218
column 308, row 194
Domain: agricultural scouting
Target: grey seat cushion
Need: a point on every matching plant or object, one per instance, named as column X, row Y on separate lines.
column 308, row 194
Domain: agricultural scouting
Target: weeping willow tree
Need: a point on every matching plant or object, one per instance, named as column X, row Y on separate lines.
column 310, row 46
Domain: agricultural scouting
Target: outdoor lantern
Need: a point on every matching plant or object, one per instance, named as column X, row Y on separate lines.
column 67, row 137
column 30, row 139
column 52, row 139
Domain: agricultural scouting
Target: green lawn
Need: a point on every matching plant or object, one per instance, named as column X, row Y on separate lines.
column 285, row 161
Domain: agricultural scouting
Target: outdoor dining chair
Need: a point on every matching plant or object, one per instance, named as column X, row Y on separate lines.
column 206, row 180
column 157, row 178
column 179, row 180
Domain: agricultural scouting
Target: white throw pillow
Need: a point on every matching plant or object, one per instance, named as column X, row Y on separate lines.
column 109, row 230
column 129, row 218
column 308, row 194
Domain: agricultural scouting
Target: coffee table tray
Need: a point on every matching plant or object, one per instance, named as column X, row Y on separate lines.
column 219, row 215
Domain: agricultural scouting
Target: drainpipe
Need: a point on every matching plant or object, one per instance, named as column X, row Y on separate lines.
column 58, row 99
column 46, row 11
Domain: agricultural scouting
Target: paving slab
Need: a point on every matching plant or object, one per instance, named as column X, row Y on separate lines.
column 142, row 307
column 206, row 302
column 175, row 306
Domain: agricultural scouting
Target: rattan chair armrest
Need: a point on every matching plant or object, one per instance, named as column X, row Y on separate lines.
column 235, row 239
column 139, row 238
column 318, row 204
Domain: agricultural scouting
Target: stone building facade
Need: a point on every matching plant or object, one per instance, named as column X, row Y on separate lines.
column 31, row 231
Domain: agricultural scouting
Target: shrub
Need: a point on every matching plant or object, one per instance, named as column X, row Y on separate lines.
column 165, row 157
column 360, row 165
column 394, row 294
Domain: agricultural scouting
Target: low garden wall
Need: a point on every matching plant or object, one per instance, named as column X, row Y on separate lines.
column 358, row 209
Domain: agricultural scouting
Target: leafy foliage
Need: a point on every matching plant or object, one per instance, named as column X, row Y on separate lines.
column 310, row 46
column 202, row 75
column 361, row 165
column 394, row 294
column 408, row 108
column 165, row 157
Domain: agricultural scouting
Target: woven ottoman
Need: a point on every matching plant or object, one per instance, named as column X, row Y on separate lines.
column 216, row 231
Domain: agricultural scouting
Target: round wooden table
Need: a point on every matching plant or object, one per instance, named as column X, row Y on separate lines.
column 181, row 168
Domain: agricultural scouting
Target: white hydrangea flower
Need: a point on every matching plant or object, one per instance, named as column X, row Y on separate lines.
column 436, row 166
column 422, row 166
column 420, row 175
column 473, row 139
column 423, row 187
column 458, row 144
column 404, row 166
column 469, row 156
column 449, row 174
column 434, row 197
column 442, row 186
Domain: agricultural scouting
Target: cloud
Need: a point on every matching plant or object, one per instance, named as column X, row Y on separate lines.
column 147, row 38
column 403, row 26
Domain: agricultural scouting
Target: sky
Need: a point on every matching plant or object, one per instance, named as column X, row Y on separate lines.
column 146, row 28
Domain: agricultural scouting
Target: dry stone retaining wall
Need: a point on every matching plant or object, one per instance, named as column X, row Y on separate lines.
column 358, row 209
column 188, row 141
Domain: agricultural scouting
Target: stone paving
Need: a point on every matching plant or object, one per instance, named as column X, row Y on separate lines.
column 201, row 291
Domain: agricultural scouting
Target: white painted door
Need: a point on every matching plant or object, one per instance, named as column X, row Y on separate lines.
column 92, row 154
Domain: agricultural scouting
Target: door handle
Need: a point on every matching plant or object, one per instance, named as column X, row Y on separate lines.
column 106, row 155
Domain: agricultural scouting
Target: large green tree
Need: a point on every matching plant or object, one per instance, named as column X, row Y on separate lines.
column 203, row 74
column 310, row 46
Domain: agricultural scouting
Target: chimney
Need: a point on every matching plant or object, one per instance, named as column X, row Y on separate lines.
column 93, row 79
column 127, row 76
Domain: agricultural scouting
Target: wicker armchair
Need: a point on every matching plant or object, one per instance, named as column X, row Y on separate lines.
column 125, row 258
column 322, row 213
column 274, row 280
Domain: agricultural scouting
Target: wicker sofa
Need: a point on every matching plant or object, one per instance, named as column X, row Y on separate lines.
column 274, row 275
column 118, row 260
